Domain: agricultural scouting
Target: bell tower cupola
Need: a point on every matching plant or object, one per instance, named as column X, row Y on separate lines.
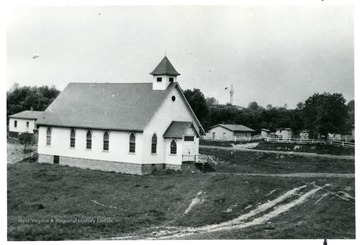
column 164, row 74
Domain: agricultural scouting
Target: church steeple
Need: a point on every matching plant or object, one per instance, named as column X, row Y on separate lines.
column 164, row 74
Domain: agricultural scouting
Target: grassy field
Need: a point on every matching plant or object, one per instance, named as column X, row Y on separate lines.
column 291, row 147
column 312, row 148
column 52, row 202
column 259, row 162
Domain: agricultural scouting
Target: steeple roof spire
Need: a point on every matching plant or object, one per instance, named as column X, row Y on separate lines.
column 165, row 68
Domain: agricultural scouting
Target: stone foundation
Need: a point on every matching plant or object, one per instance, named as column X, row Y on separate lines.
column 45, row 158
column 119, row 167
column 173, row 166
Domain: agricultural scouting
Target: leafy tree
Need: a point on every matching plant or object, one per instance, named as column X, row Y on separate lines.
column 326, row 113
column 211, row 101
column 253, row 106
column 300, row 106
column 351, row 112
column 26, row 139
column 197, row 102
column 24, row 98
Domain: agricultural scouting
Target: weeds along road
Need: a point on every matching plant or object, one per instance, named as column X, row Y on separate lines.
column 278, row 152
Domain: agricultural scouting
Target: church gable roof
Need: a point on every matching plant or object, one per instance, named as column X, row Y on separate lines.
column 177, row 129
column 116, row 106
column 165, row 68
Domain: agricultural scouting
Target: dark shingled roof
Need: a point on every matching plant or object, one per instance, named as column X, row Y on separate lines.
column 235, row 127
column 177, row 129
column 27, row 115
column 165, row 68
column 117, row 106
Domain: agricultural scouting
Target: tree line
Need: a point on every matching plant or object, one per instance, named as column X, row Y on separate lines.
column 24, row 98
column 320, row 114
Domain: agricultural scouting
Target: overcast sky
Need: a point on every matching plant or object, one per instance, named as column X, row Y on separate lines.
column 272, row 54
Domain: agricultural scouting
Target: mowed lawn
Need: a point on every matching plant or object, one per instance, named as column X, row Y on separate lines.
column 52, row 202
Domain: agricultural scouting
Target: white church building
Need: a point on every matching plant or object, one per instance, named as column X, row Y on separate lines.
column 131, row 128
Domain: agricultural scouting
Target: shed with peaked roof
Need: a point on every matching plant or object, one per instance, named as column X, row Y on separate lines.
column 265, row 133
column 284, row 133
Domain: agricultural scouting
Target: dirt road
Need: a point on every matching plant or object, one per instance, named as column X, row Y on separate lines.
column 260, row 214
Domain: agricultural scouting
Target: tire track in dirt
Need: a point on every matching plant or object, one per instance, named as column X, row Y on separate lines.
column 260, row 215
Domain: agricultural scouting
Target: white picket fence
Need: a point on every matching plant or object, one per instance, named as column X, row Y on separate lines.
column 312, row 141
column 343, row 144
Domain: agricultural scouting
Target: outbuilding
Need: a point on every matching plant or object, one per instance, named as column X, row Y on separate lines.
column 22, row 122
column 230, row 132
column 284, row 133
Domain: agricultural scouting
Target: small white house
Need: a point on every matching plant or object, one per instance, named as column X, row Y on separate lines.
column 284, row 133
column 230, row 132
column 265, row 133
column 131, row 128
column 22, row 122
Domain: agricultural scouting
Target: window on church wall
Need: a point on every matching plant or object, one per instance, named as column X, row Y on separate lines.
column 159, row 79
column 106, row 141
column 153, row 144
column 72, row 138
column 189, row 138
column 132, row 143
column 88, row 139
column 15, row 124
column 173, row 147
column 48, row 136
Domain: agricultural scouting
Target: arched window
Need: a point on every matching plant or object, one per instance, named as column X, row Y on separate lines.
column 48, row 136
column 72, row 138
column 173, row 147
column 106, row 141
column 153, row 144
column 88, row 139
column 132, row 143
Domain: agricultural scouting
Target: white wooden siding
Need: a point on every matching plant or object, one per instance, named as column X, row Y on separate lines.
column 118, row 145
column 169, row 111
column 21, row 125
column 221, row 133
